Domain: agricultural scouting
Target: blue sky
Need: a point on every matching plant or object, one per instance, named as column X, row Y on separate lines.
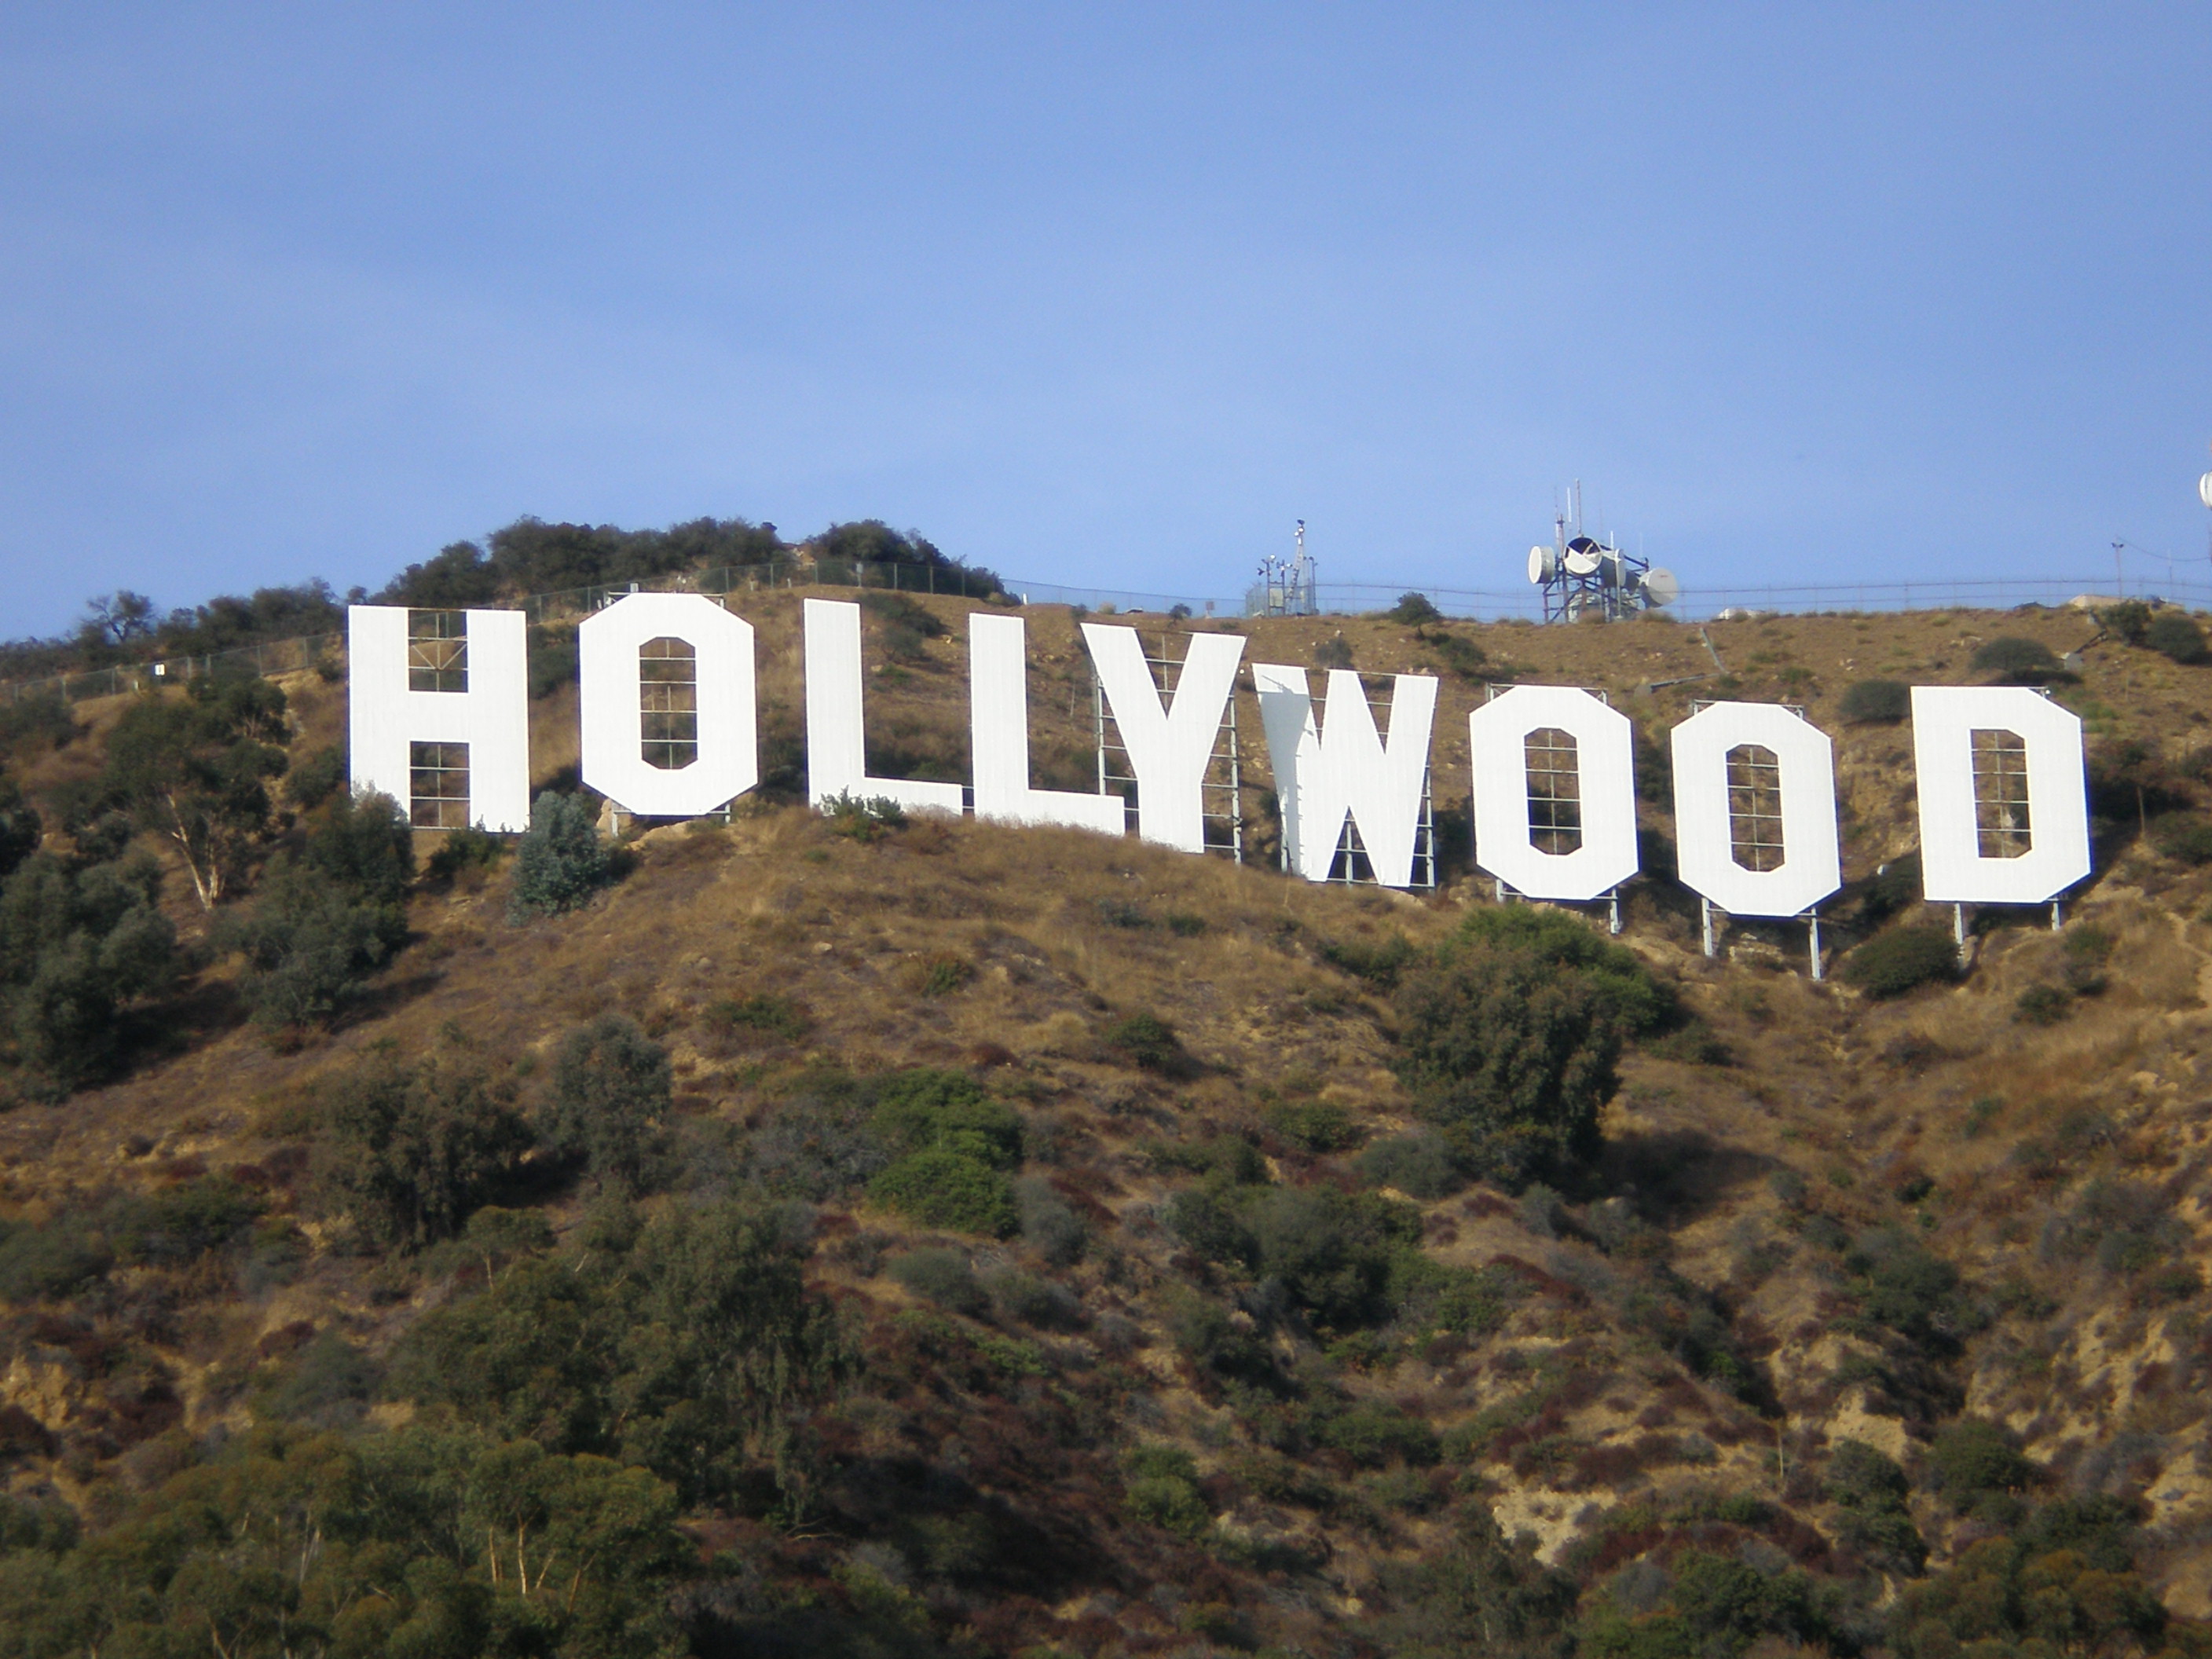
column 1104, row 295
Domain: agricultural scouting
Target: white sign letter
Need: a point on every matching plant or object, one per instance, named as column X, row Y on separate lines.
column 1585, row 785
column 2004, row 797
column 1329, row 769
column 837, row 744
column 1169, row 749
column 443, row 708
column 684, row 741
column 998, row 723
column 1788, row 814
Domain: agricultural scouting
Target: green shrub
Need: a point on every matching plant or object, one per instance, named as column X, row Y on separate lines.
column 1413, row 609
column 683, row 1345
column 37, row 717
column 863, row 820
column 1160, row 1489
column 561, row 861
column 2188, row 839
column 1876, row 702
column 1049, row 1223
column 2175, row 634
column 1904, row 959
column 1972, row 1458
column 764, row 1011
column 1333, row 1253
column 2019, row 661
column 2042, row 1004
column 1151, row 1044
column 949, row 1190
column 328, row 1382
column 940, row 1276
column 612, row 1099
column 182, row 1223
column 1378, row 964
column 460, row 851
column 1565, row 943
column 1479, row 1592
column 1873, row 1496
column 927, row 1110
column 409, row 1150
column 1910, row 1289
column 1376, row 1433
column 1510, row 1048
column 1419, row 1164
column 324, row 922
column 553, row 661
column 78, row 942
column 1204, row 1334
column 51, row 1259
column 315, row 777
column 1033, row 1301
column 1315, row 1125
column 2130, row 620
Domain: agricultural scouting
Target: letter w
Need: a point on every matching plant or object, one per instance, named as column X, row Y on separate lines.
column 1328, row 771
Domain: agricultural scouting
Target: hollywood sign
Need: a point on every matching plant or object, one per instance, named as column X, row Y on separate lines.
column 2002, row 795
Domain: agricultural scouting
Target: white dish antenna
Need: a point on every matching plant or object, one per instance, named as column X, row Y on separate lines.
column 1661, row 588
column 2205, row 490
column 1543, row 562
column 1584, row 556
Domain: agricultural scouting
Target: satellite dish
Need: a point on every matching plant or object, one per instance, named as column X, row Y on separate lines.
column 1582, row 556
column 2205, row 490
column 1661, row 587
column 1543, row 564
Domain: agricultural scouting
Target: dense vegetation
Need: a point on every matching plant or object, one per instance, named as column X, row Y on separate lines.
column 527, row 558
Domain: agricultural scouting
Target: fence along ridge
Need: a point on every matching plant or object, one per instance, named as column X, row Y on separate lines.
column 303, row 651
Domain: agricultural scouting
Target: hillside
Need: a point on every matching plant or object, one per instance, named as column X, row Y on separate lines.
column 1043, row 1248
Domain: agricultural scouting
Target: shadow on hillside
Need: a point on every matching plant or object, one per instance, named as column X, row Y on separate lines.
column 388, row 995
column 1674, row 1176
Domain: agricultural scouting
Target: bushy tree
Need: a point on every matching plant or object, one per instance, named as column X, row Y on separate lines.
column 77, row 942
column 2017, row 661
column 325, row 921
column 20, row 830
column 682, row 1350
column 1478, row 1594
column 435, row 1544
column 1876, row 702
column 197, row 770
column 1903, row 959
column 1414, row 609
column 2129, row 619
column 611, row 1098
column 2175, row 634
column 561, row 859
column 952, row 1145
column 1511, row 1046
column 408, row 1150
column 1872, row 1494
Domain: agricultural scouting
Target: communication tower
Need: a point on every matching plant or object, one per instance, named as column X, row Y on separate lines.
column 1582, row 575
column 1286, row 586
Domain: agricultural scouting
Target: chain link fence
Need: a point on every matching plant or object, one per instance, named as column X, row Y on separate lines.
column 326, row 652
